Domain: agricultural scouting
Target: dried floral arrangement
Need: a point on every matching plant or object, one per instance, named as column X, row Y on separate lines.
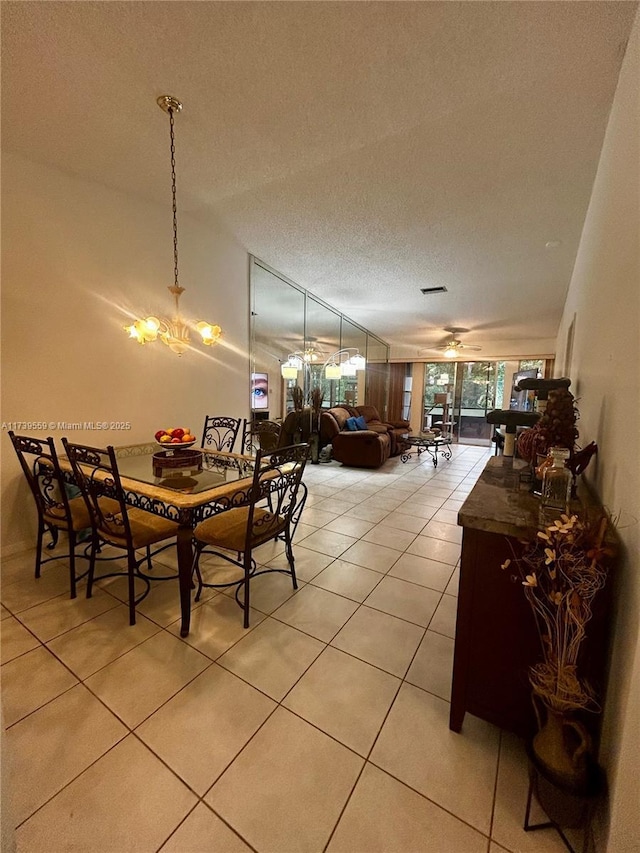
column 297, row 397
column 316, row 398
column 561, row 573
column 556, row 428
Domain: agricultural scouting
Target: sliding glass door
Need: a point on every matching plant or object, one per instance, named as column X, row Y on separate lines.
column 475, row 395
column 458, row 395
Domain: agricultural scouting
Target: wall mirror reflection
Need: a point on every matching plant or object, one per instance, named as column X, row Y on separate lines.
column 300, row 342
column 277, row 329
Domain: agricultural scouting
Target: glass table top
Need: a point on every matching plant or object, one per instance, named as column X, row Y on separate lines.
column 216, row 471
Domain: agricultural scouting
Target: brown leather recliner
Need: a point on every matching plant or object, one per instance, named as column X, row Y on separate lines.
column 359, row 448
column 395, row 429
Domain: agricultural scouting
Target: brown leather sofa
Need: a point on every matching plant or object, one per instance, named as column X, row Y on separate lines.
column 395, row 429
column 368, row 448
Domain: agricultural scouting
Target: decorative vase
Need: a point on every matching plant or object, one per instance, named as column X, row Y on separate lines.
column 314, row 442
column 538, row 464
column 561, row 747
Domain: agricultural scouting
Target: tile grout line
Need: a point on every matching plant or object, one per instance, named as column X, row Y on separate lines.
column 429, row 799
column 215, row 660
column 495, row 784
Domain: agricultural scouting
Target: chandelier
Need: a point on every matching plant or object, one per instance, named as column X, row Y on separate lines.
column 176, row 332
column 297, row 360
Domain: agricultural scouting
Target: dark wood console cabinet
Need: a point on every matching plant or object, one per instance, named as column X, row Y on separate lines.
column 496, row 637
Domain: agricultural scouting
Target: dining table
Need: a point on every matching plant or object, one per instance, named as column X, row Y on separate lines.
column 186, row 498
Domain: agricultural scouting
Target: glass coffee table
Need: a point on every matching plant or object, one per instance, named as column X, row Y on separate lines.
column 432, row 444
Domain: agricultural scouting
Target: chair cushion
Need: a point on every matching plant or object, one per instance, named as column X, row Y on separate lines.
column 80, row 519
column 146, row 529
column 381, row 429
column 229, row 529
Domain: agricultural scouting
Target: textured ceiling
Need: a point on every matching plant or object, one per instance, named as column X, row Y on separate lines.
column 365, row 150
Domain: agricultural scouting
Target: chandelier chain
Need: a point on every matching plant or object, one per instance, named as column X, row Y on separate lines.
column 173, row 194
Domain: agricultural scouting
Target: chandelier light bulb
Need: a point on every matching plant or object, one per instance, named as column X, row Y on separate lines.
column 151, row 326
column 134, row 332
column 451, row 352
column 144, row 331
column 210, row 334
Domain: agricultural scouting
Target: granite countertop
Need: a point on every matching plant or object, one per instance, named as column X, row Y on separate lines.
column 497, row 504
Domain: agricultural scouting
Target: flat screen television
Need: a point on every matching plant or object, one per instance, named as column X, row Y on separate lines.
column 259, row 391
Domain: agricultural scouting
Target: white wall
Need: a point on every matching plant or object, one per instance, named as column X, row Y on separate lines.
column 604, row 298
column 75, row 258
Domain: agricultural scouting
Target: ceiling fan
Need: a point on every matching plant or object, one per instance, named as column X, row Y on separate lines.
column 454, row 346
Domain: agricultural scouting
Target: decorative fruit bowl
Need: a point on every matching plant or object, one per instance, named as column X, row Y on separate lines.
column 185, row 463
column 178, row 445
column 177, row 438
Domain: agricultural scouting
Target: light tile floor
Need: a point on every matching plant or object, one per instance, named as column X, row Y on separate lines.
column 322, row 727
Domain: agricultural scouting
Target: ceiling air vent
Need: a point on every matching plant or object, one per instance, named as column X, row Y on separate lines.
column 426, row 290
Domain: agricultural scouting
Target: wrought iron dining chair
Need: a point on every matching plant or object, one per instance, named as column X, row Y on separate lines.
column 220, row 433
column 264, row 512
column 56, row 510
column 115, row 523
column 260, row 435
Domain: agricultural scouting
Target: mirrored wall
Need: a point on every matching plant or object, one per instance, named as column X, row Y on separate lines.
column 294, row 330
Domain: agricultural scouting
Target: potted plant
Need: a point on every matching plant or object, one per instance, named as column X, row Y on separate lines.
column 561, row 572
